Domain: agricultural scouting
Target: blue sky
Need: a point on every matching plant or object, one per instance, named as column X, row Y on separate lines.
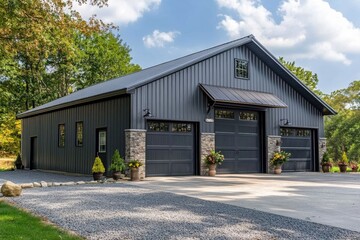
column 320, row 35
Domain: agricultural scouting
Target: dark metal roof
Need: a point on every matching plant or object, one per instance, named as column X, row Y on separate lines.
column 126, row 84
column 242, row 97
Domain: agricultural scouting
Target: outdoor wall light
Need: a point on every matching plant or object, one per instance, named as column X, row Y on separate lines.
column 322, row 145
column 285, row 121
column 278, row 142
column 147, row 112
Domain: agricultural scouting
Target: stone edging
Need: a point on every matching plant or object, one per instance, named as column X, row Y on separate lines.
column 58, row 184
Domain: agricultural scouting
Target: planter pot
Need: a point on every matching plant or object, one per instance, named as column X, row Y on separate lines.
column 326, row 168
column 277, row 169
column 97, row 176
column 212, row 170
column 116, row 175
column 18, row 166
column 135, row 174
column 343, row 168
column 355, row 169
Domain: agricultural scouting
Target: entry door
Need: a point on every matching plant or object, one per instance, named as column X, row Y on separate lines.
column 101, row 145
column 170, row 148
column 237, row 136
column 33, row 153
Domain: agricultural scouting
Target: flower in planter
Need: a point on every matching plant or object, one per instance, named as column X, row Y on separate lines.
column 117, row 162
column 326, row 160
column 134, row 164
column 279, row 158
column 344, row 159
column 214, row 158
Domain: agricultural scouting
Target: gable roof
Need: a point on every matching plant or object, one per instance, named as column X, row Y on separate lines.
column 126, row 84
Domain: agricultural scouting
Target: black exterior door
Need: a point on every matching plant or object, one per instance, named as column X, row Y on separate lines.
column 237, row 136
column 299, row 143
column 33, row 152
column 170, row 148
column 101, row 146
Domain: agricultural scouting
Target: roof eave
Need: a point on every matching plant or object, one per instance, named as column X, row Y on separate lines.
column 34, row 112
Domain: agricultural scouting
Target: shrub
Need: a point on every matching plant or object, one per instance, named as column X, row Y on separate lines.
column 98, row 166
column 344, row 159
column 279, row 158
column 117, row 162
column 214, row 158
column 18, row 161
column 326, row 160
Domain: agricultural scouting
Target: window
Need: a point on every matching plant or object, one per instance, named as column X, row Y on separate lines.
column 181, row 127
column 249, row 116
column 102, row 141
column 241, row 68
column 61, row 135
column 79, row 134
column 158, row 126
column 296, row 132
column 224, row 114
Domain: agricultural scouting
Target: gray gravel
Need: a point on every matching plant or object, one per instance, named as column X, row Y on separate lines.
column 27, row 176
column 122, row 211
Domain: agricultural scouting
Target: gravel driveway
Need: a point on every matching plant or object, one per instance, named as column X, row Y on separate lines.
column 123, row 211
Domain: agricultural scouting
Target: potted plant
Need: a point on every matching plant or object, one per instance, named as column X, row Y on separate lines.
column 117, row 165
column 134, row 167
column 98, row 169
column 354, row 166
column 18, row 162
column 343, row 163
column 278, row 159
column 326, row 163
column 212, row 159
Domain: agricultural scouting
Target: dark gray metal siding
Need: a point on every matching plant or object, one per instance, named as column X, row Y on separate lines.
column 177, row 96
column 112, row 114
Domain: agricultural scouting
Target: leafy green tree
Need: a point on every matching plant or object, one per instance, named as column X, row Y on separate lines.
column 48, row 51
column 309, row 78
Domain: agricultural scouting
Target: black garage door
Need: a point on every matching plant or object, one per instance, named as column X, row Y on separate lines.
column 170, row 149
column 298, row 142
column 237, row 137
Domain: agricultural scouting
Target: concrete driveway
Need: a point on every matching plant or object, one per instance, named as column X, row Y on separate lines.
column 330, row 199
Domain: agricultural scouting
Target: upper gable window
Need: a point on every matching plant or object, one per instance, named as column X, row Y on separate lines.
column 241, row 68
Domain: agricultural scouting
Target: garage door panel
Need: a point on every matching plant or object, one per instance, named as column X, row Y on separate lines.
column 298, row 142
column 241, row 145
column 170, row 150
column 294, row 142
column 228, row 126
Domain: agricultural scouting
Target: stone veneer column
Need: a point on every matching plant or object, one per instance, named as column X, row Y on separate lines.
column 135, row 147
column 207, row 143
column 322, row 150
column 273, row 144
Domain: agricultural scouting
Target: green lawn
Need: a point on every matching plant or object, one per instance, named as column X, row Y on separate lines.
column 18, row 224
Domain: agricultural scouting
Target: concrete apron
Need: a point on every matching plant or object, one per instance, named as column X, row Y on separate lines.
column 330, row 199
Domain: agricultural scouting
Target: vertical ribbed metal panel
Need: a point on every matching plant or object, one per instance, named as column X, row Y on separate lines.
column 112, row 114
column 178, row 97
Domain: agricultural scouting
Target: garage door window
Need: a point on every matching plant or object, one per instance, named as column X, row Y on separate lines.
column 181, row 127
column 224, row 114
column 296, row 132
column 248, row 116
column 158, row 126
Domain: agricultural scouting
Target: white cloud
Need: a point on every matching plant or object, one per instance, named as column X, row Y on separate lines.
column 308, row 29
column 118, row 11
column 159, row 39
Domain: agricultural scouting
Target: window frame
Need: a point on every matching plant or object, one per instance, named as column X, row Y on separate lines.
column 247, row 69
column 99, row 141
column 76, row 134
column 61, row 137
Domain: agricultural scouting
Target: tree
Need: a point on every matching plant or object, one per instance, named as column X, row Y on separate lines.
column 309, row 78
column 48, row 51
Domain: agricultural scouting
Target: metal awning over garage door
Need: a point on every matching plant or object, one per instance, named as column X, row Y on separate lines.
column 299, row 143
column 235, row 96
column 170, row 148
